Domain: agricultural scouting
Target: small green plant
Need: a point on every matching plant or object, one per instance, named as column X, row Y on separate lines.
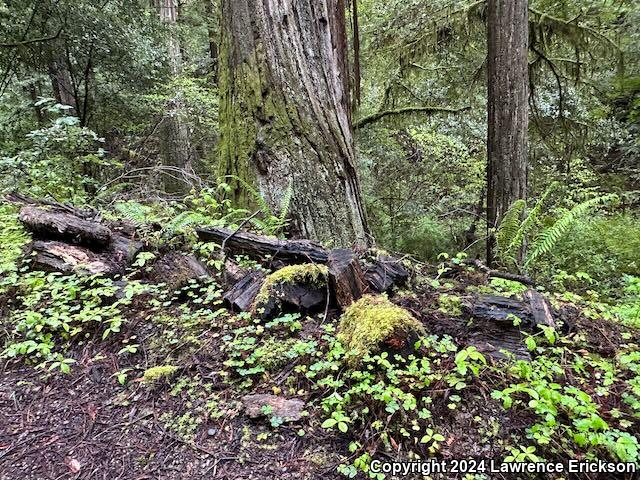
column 154, row 375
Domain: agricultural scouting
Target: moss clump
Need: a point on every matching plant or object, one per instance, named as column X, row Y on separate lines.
column 304, row 274
column 370, row 321
column 154, row 374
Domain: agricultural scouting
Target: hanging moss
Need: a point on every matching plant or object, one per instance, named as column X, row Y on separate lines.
column 305, row 274
column 367, row 323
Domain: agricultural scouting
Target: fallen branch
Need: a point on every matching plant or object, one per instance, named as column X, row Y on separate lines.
column 499, row 274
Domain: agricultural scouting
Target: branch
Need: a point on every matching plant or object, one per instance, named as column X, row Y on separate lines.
column 401, row 111
column 33, row 40
column 499, row 274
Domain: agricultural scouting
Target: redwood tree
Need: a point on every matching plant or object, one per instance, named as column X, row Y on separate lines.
column 285, row 113
column 508, row 115
column 176, row 146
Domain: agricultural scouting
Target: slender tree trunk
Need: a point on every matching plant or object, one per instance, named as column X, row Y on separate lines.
column 508, row 115
column 212, row 22
column 62, row 85
column 285, row 113
column 176, row 143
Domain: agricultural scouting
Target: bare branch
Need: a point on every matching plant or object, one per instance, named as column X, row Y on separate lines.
column 401, row 111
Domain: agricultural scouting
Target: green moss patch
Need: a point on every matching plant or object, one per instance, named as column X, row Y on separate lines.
column 154, row 375
column 370, row 321
column 304, row 274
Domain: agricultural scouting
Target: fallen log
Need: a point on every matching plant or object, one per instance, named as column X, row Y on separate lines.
column 56, row 256
column 532, row 310
column 176, row 269
column 385, row 273
column 345, row 276
column 295, row 288
column 243, row 293
column 259, row 246
column 56, row 225
column 502, row 319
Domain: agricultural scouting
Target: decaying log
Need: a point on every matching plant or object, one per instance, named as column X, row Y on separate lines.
column 56, row 256
column 495, row 323
column 177, row 269
column 503, row 310
column 540, row 310
column 243, row 293
column 345, row 276
column 385, row 273
column 87, row 214
column 259, row 246
column 291, row 297
column 531, row 311
column 494, row 341
column 56, row 225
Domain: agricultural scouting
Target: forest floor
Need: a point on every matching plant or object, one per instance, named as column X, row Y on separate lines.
column 87, row 424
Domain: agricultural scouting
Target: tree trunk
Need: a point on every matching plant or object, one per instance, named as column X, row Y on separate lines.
column 285, row 113
column 176, row 144
column 508, row 115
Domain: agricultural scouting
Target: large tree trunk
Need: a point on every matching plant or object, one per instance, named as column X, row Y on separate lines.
column 285, row 113
column 508, row 115
column 175, row 143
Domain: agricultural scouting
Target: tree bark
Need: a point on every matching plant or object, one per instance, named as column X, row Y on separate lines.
column 508, row 115
column 285, row 113
column 176, row 143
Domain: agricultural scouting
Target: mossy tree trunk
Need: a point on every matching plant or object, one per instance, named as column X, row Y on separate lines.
column 508, row 114
column 285, row 113
column 175, row 142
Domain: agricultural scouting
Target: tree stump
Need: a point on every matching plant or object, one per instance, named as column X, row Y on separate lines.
column 345, row 276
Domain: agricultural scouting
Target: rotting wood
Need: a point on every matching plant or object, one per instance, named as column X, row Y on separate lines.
column 345, row 276
column 243, row 293
column 385, row 273
column 56, row 225
column 259, row 246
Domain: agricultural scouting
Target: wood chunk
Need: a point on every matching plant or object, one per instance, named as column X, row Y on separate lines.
column 258, row 246
column 345, row 276
column 65, row 226
column 540, row 310
column 494, row 341
column 292, row 297
column 244, row 292
column 233, row 272
column 55, row 256
column 500, row 309
column 176, row 269
column 385, row 273
column 125, row 249
column 289, row 410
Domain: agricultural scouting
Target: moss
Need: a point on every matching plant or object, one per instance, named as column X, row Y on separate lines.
column 450, row 304
column 305, row 274
column 371, row 320
column 154, row 374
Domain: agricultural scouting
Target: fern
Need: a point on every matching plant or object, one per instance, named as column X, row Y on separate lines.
column 508, row 228
column 527, row 224
column 134, row 211
column 548, row 239
column 285, row 203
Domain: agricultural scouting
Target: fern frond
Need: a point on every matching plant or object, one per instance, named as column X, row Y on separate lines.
column 528, row 223
column 285, row 203
column 548, row 239
column 259, row 199
column 508, row 228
